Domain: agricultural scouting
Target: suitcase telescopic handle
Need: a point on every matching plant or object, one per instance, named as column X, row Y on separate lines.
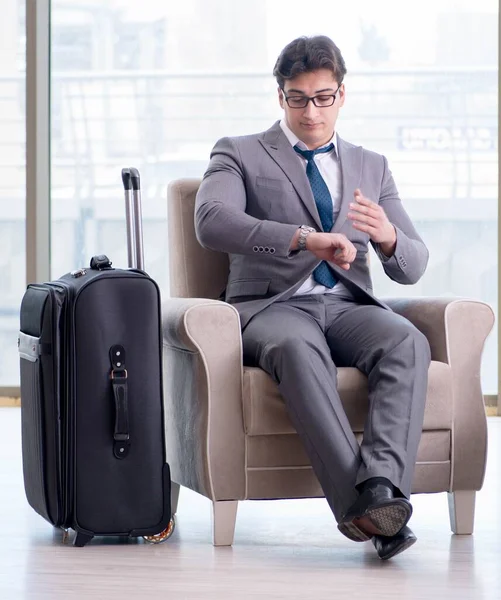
column 133, row 214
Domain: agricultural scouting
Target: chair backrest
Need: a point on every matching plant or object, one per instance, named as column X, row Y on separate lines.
column 194, row 272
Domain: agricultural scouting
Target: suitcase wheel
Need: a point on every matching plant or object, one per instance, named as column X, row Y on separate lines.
column 163, row 535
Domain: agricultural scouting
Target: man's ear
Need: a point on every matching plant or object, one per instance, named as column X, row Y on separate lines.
column 342, row 94
column 281, row 97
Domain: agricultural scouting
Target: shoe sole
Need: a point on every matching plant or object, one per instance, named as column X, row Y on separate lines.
column 399, row 549
column 388, row 519
column 352, row 532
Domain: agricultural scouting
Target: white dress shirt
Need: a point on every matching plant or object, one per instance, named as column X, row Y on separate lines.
column 330, row 169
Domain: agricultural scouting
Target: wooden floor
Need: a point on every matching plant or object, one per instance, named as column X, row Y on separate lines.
column 285, row 549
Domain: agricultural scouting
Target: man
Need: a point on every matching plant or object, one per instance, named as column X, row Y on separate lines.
column 295, row 207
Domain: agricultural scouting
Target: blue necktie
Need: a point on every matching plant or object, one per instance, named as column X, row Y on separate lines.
column 322, row 274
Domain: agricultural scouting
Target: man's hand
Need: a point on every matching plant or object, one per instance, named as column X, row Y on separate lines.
column 333, row 247
column 369, row 217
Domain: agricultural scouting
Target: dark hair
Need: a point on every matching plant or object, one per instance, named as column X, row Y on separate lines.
column 306, row 54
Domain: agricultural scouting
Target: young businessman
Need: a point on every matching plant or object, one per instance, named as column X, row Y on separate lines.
column 296, row 207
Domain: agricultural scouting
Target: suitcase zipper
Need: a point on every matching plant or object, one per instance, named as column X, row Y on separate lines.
column 65, row 412
column 78, row 273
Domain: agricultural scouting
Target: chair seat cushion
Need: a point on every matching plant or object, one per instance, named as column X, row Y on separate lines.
column 265, row 414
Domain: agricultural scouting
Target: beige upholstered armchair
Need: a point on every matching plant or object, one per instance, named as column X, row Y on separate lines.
column 227, row 432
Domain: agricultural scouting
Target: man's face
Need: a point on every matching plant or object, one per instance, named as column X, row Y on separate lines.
column 313, row 125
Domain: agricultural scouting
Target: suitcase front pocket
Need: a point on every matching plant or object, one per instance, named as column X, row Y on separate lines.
column 32, row 423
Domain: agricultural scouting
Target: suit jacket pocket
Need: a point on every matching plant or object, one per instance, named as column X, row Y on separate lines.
column 248, row 287
column 274, row 184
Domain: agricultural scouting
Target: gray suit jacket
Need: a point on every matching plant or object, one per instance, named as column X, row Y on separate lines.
column 255, row 194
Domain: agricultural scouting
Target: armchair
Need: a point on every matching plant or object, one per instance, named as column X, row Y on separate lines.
column 228, row 435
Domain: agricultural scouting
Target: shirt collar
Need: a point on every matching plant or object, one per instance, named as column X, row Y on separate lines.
column 294, row 140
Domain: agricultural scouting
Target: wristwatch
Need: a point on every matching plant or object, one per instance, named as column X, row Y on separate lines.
column 304, row 232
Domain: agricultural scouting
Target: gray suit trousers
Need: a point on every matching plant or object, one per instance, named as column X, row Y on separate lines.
column 300, row 343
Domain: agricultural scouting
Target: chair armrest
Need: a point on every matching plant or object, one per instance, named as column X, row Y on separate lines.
column 456, row 329
column 202, row 373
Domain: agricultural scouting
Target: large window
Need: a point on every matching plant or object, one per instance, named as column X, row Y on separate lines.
column 155, row 87
column 12, row 185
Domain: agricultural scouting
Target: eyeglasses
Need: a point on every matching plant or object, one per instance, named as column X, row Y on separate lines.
column 320, row 101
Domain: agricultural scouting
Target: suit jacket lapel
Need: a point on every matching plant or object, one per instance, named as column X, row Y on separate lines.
column 280, row 150
column 350, row 158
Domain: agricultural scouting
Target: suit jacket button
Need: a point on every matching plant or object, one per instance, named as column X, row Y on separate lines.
column 256, row 249
column 261, row 249
column 272, row 250
column 266, row 249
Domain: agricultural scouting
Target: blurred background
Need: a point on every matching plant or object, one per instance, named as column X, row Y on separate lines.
column 154, row 85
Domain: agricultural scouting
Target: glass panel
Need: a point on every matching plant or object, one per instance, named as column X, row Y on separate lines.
column 12, row 184
column 138, row 87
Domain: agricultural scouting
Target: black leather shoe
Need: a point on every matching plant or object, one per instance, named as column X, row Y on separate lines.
column 386, row 513
column 387, row 547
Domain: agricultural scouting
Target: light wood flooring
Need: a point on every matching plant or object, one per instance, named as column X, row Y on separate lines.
column 282, row 550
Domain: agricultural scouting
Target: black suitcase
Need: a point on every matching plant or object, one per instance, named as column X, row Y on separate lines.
column 91, row 396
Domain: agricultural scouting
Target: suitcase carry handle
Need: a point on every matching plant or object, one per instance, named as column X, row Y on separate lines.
column 118, row 376
column 133, row 213
column 98, row 263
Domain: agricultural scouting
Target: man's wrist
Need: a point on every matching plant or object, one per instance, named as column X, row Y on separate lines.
column 388, row 248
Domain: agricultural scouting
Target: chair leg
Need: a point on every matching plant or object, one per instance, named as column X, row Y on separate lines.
column 224, row 515
column 462, row 511
column 174, row 497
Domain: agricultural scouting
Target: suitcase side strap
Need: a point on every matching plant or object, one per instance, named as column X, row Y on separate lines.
column 118, row 376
